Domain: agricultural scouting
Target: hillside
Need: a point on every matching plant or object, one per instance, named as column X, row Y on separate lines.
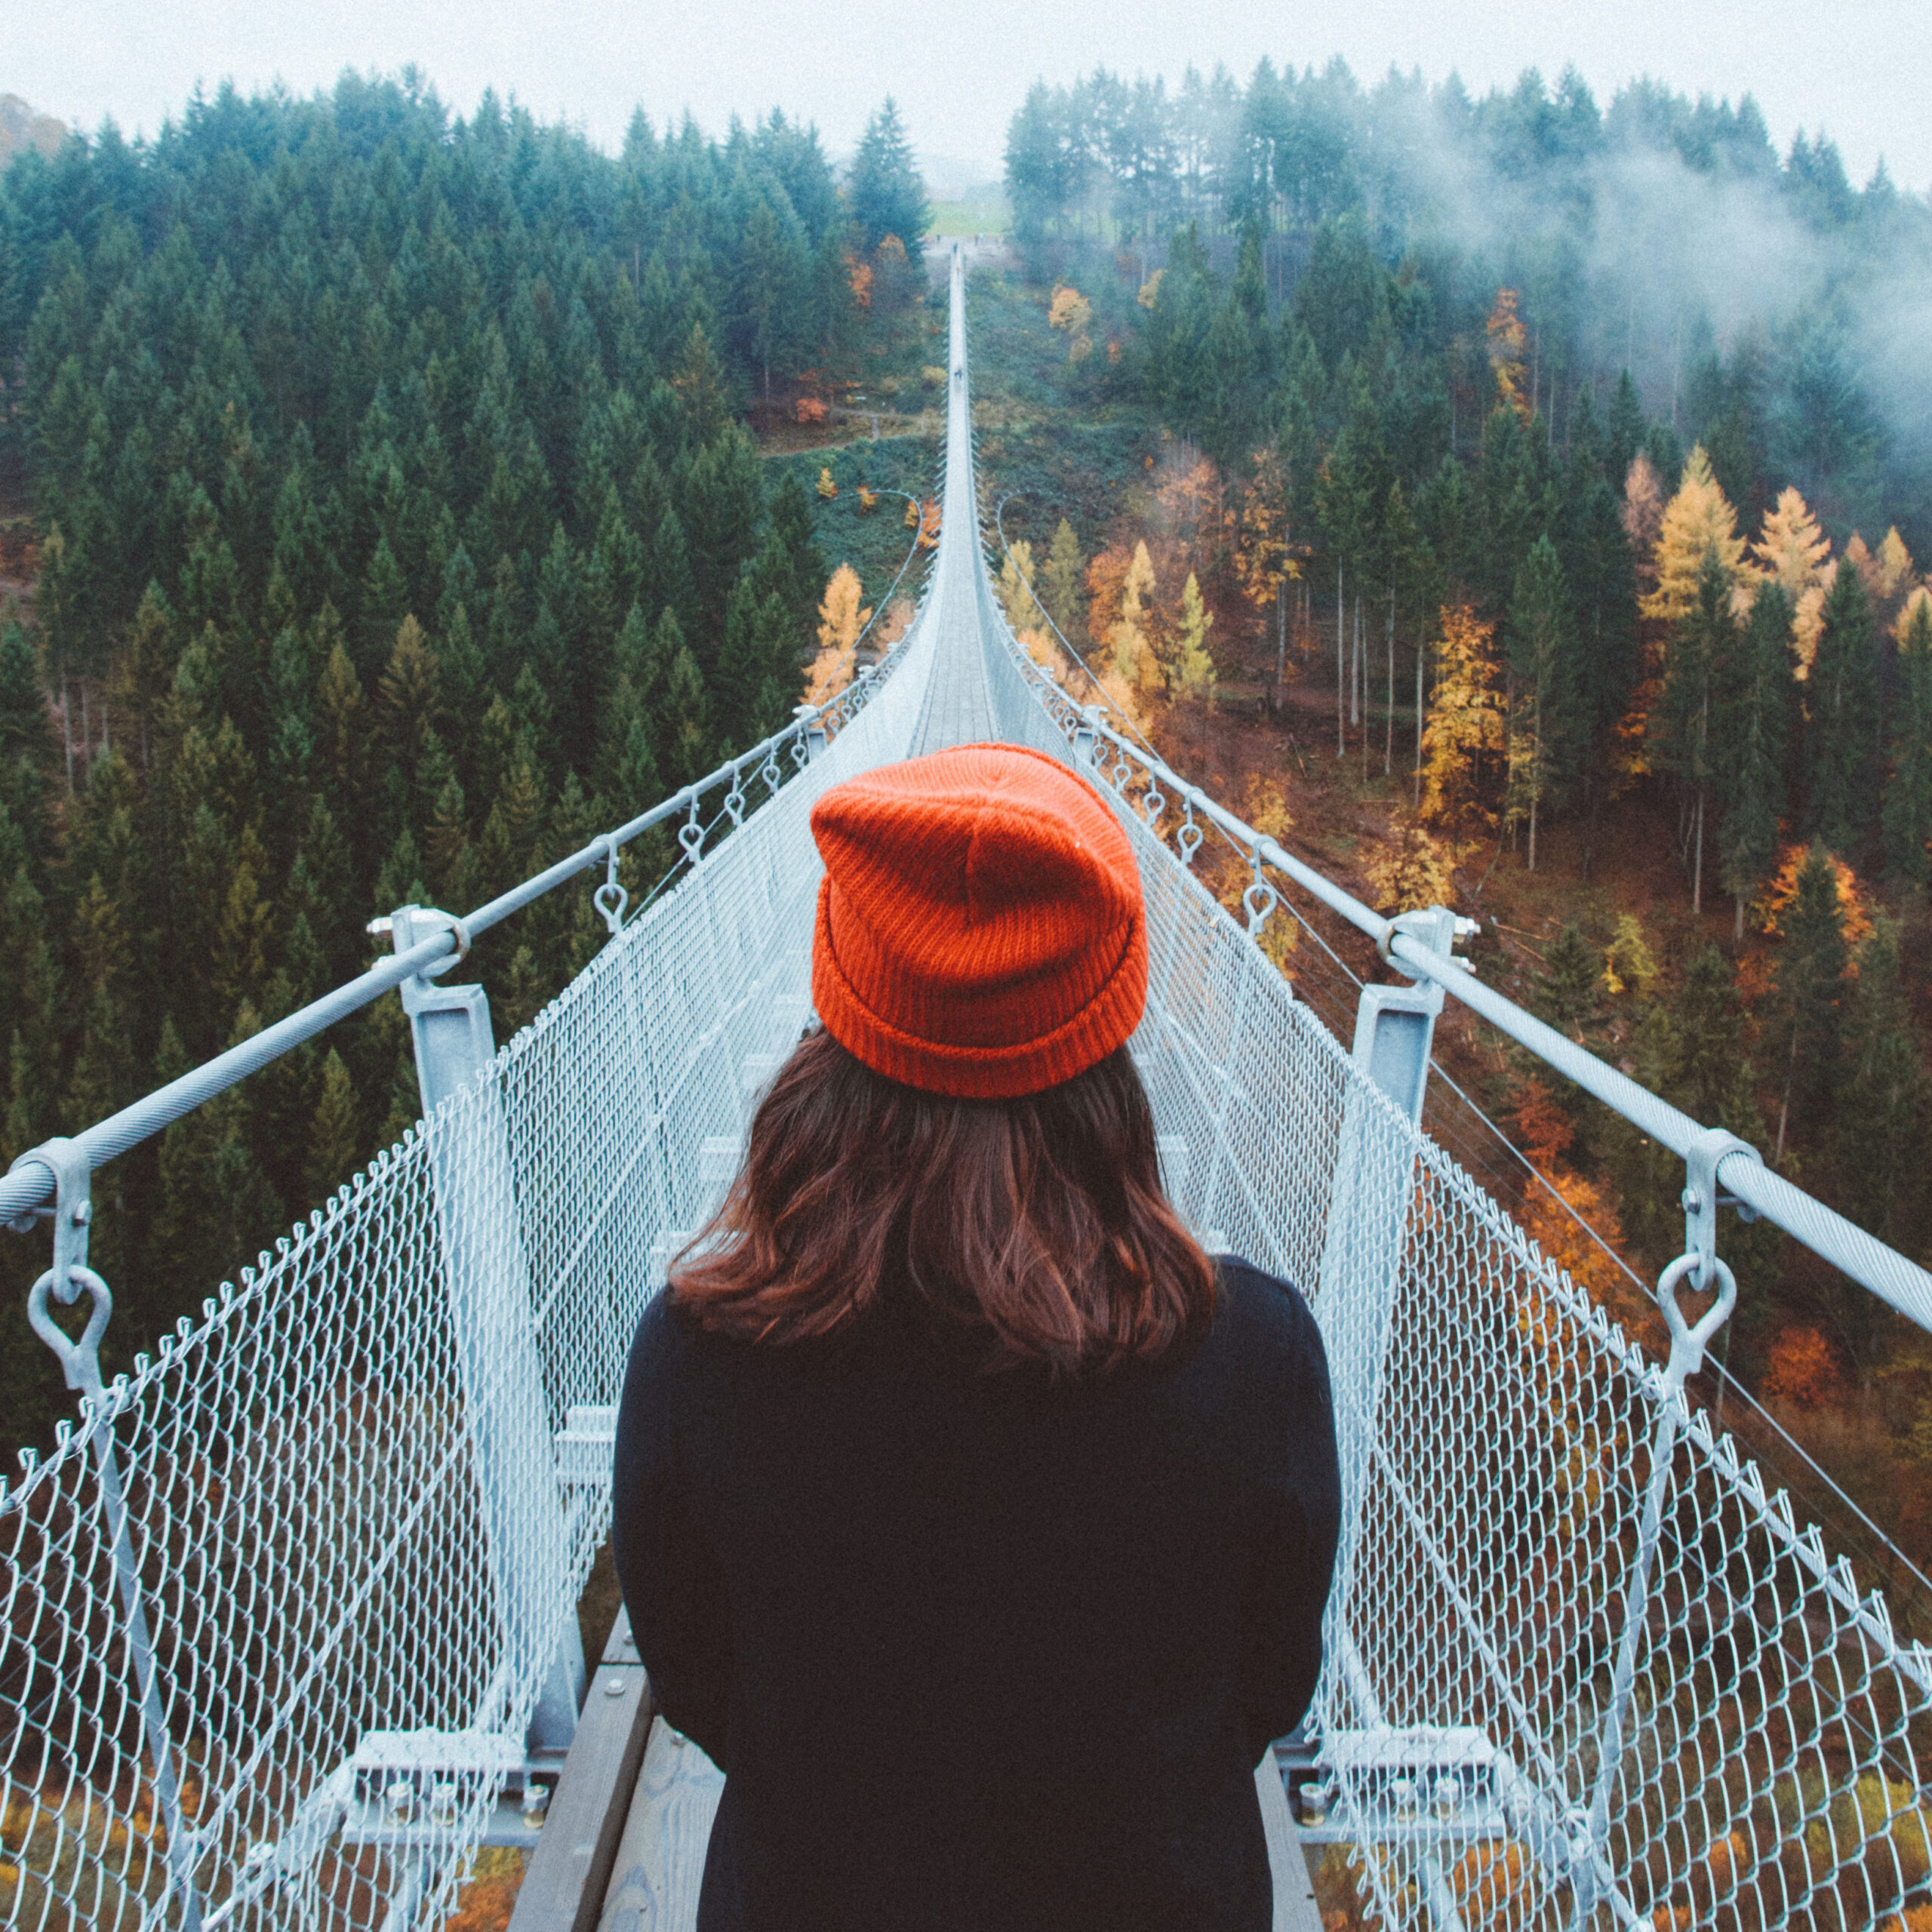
column 380, row 515
column 21, row 127
column 1787, row 1006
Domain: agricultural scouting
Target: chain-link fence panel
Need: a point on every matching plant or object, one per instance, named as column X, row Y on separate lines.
column 279, row 1607
column 1583, row 1669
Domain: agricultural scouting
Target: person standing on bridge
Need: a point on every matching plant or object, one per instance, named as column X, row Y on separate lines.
column 975, row 1521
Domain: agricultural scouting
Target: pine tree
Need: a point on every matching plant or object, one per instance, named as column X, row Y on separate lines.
column 339, row 715
column 722, row 510
column 1806, row 1029
column 750, row 692
column 1626, row 431
column 27, row 979
column 1061, row 580
column 1753, row 712
column 1700, row 668
column 1541, row 656
column 1883, row 1098
column 1570, row 987
column 1908, row 806
column 1841, row 774
column 333, row 1143
column 792, row 537
column 884, row 187
column 684, row 737
column 627, row 780
column 27, row 749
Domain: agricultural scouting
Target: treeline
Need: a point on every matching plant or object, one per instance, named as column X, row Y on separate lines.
column 1763, row 305
column 396, row 530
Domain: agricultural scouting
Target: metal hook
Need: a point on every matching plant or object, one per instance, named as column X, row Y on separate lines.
column 1260, row 899
column 611, row 899
column 1152, row 804
column 80, row 1361
column 1187, row 835
column 690, row 835
column 1687, row 1342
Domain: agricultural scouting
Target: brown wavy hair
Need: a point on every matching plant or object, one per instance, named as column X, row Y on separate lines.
column 1037, row 1228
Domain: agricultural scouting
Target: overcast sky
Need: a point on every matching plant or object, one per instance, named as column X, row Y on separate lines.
column 1863, row 71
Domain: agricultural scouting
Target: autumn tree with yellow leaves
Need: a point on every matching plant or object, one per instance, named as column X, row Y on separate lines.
column 1793, row 552
column 1696, row 520
column 1464, row 726
column 840, row 622
column 1072, row 314
column 1507, row 337
column 1190, row 668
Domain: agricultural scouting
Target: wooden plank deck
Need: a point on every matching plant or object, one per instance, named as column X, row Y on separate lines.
column 570, row 1868
column 660, row 1859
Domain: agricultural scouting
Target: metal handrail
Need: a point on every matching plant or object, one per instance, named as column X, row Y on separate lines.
column 1748, row 1183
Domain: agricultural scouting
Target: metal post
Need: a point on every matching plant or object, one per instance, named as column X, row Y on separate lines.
column 489, row 1311
column 1699, row 1262
column 80, row 1361
column 807, row 714
column 1368, row 1211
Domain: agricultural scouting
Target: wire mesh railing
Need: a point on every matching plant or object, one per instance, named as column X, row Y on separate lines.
column 1584, row 1667
column 279, row 1606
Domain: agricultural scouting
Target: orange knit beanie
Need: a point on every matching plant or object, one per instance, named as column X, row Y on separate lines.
column 980, row 931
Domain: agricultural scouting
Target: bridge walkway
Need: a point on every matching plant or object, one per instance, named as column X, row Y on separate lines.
column 658, row 1865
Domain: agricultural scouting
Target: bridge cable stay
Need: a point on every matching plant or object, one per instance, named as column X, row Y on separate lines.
column 291, row 1605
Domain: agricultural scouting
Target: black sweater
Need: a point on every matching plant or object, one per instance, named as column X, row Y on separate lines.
column 977, row 1653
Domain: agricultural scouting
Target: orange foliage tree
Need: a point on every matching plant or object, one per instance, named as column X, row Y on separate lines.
column 1507, row 338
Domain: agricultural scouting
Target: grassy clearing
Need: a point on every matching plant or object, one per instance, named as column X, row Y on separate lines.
column 987, row 216
column 873, row 543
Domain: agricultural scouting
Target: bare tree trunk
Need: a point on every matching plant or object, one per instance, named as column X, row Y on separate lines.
column 67, row 734
column 1419, row 658
column 1281, row 639
column 1354, row 666
column 1388, row 732
column 1697, row 867
column 1737, row 932
column 1341, row 670
column 1361, row 680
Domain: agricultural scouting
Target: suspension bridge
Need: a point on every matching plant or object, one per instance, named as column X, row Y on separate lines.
column 291, row 1621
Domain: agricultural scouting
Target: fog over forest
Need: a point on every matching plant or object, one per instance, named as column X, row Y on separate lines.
column 1652, row 235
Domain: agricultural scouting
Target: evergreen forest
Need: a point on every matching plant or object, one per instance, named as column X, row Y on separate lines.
column 1524, row 502
column 380, row 487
